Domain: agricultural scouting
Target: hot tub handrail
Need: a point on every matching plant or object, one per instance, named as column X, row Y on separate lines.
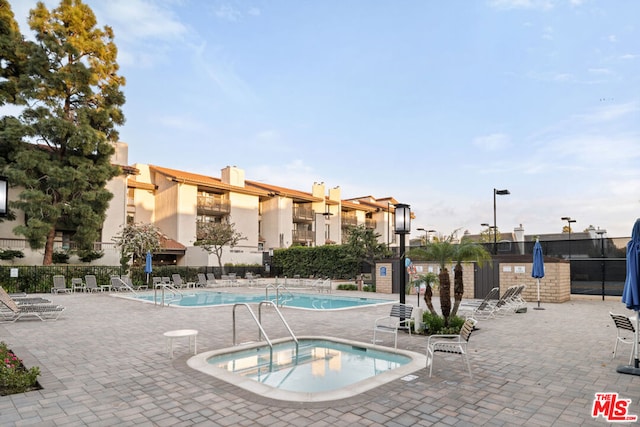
column 261, row 332
column 281, row 318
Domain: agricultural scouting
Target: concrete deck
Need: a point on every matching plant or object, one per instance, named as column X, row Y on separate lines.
column 104, row 363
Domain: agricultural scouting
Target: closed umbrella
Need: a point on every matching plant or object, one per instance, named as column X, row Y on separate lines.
column 631, row 292
column 148, row 268
column 538, row 268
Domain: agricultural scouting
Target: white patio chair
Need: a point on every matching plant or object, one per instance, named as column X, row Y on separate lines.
column 451, row 344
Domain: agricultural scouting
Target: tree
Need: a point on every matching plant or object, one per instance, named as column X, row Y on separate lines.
column 66, row 131
column 135, row 240
column 443, row 252
column 486, row 236
column 214, row 236
column 363, row 246
column 466, row 250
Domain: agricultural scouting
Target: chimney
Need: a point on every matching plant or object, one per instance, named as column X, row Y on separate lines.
column 233, row 175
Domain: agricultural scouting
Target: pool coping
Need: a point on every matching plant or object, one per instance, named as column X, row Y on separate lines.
column 199, row 363
column 129, row 296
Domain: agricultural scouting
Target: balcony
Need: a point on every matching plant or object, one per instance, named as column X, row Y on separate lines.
column 370, row 223
column 302, row 236
column 348, row 220
column 302, row 214
column 213, row 206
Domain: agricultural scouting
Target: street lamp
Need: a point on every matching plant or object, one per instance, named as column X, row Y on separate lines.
column 569, row 222
column 601, row 233
column 402, row 227
column 495, row 225
column 4, row 196
column 426, row 234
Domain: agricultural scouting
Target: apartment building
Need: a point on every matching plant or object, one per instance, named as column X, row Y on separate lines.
column 267, row 216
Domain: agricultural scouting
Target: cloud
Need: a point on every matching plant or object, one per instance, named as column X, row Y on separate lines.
column 143, row 19
column 522, row 4
column 228, row 12
column 610, row 113
column 492, row 142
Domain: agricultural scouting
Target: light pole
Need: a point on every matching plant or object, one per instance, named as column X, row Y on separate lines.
column 402, row 227
column 426, row 234
column 4, row 196
column 569, row 222
column 495, row 225
column 601, row 233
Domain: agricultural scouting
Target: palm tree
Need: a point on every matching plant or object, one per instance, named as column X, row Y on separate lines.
column 443, row 252
column 466, row 250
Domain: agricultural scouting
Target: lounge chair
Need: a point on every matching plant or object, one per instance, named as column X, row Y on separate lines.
column 211, row 279
column 484, row 309
column 10, row 311
column 202, row 281
column 117, row 285
column 60, row 285
column 127, row 280
column 398, row 318
column 91, row 283
column 625, row 332
column 179, row 283
column 451, row 344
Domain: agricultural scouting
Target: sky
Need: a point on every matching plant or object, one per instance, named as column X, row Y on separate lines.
column 434, row 103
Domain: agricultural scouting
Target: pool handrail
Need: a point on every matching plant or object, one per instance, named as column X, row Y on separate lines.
column 277, row 288
column 164, row 286
column 261, row 331
column 281, row 318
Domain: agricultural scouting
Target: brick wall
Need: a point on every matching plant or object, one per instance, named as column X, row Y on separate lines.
column 555, row 286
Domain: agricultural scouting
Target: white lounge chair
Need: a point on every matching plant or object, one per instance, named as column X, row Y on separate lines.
column 10, row 311
column 60, row 285
column 91, row 283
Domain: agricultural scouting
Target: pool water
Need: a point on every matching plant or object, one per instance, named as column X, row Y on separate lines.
column 325, row 369
column 318, row 366
column 306, row 301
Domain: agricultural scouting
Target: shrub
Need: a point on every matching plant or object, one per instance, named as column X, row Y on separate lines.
column 14, row 377
column 60, row 257
column 434, row 324
column 10, row 254
column 347, row 287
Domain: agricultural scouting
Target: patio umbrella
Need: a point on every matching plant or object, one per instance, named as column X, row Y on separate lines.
column 631, row 292
column 148, row 268
column 538, row 268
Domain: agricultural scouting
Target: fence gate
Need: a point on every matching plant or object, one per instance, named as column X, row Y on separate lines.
column 486, row 277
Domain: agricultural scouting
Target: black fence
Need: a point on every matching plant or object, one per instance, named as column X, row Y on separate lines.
column 598, row 266
column 39, row 279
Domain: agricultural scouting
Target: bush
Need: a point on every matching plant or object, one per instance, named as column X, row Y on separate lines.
column 60, row 257
column 10, row 254
column 435, row 324
column 347, row 287
column 14, row 377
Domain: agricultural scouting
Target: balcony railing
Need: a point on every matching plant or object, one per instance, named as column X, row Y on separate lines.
column 349, row 220
column 370, row 223
column 21, row 244
column 213, row 206
column 303, row 236
column 302, row 214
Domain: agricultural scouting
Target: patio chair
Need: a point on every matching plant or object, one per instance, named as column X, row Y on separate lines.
column 78, row 285
column 451, row 344
column 202, row 281
column 625, row 332
column 398, row 318
column 13, row 311
column 179, row 283
column 117, row 285
column 211, row 279
column 91, row 283
column 481, row 309
column 60, row 285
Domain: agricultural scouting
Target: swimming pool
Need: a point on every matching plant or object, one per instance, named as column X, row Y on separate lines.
column 324, row 369
column 296, row 300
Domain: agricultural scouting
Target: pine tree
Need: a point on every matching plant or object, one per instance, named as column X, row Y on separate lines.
column 74, row 104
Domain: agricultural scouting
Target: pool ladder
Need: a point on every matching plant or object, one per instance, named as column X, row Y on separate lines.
column 163, row 286
column 277, row 288
column 261, row 331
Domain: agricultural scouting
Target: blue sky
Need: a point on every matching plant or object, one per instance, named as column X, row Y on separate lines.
column 435, row 103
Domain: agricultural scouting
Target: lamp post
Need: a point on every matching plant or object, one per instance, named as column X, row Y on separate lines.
column 402, row 227
column 4, row 196
column 601, row 233
column 495, row 225
column 426, row 234
column 569, row 222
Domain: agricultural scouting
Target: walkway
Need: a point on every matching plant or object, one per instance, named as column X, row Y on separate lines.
column 104, row 364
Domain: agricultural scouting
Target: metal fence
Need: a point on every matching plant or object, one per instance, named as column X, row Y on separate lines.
column 39, row 279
